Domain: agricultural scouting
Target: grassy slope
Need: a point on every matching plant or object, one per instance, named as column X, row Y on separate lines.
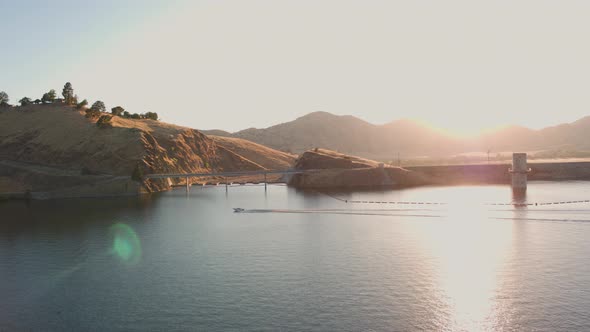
column 327, row 159
column 260, row 154
column 61, row 137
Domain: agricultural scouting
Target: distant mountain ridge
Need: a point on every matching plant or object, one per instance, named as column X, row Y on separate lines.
column 351, row 135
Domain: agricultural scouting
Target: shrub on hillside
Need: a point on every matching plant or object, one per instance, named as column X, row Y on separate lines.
column 105, row 121
column 91, row 113
column 82, row 104
column 151, row 115
column 122, row 113
column 137, row 174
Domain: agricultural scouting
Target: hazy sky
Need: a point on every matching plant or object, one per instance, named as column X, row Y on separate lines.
column 460, row 65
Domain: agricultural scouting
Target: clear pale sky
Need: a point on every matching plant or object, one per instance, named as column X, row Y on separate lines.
column 460, row 65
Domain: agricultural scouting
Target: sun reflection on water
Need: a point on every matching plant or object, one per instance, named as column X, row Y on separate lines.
column 468, row 250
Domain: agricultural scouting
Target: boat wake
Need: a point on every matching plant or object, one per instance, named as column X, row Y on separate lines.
column 420, row 213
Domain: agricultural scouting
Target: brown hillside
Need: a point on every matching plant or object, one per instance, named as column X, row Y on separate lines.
column 326, row 159
column 59, row 137
column 259, row 154
column 332, row 170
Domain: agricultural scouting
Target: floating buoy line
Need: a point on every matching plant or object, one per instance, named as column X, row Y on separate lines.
column 426, row 209
column 378, row 212
column 516, row 204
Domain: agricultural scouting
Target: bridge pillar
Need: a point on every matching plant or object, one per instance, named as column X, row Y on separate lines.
column 264, row 181
column 187, row 185
column 519, row 171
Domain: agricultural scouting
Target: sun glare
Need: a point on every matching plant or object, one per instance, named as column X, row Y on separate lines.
column 457, row 128
column 467, row 251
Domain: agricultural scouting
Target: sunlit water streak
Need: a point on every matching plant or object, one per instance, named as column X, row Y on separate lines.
column 178, row 262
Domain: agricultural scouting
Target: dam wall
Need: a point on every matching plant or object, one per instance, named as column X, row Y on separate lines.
column 499, row 173
column 395, row 177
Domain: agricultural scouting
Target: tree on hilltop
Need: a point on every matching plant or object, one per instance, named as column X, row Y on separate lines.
column 48, row 97
column 4, row 99
column 118, row 111
column 95, row 110
column 37, row 101
column 98, row 106
column 151, row 115
column 25, row 101
column 68, row 93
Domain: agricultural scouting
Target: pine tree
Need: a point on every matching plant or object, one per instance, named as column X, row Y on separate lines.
column 68, row 93
column 4, row 98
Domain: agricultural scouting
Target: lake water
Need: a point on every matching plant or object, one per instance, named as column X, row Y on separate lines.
column 171, row 262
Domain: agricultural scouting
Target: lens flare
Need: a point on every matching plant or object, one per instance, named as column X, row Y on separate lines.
column 126, row 244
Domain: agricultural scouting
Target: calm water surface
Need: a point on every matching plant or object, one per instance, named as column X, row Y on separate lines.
column 171, row 262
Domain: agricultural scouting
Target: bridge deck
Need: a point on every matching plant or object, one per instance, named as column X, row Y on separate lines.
column 222, row 174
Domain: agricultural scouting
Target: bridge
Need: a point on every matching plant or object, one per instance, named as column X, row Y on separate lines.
column 224, row 174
